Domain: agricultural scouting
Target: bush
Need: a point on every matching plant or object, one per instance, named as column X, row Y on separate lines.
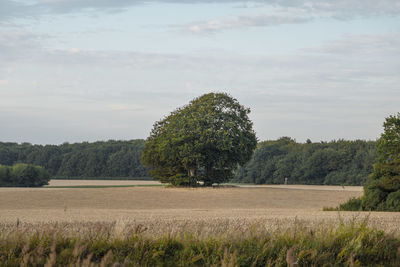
column 354, row 204
column 373, row 196
column 393, row 201
column 23, row 175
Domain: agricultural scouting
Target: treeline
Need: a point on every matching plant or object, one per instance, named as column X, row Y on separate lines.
column 98, row 159
column 24, row 175
column 337, row 162
column 332, row 163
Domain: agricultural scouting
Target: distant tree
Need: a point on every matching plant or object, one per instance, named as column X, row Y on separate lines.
column 5, row 177
column 98, row 159
column 333, row 163
column 389, row 144
column 23, row 175
column 203, row 141
column 7, row 155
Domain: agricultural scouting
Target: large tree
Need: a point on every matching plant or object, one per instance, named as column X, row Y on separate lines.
column 204, row 141
column 382, row 190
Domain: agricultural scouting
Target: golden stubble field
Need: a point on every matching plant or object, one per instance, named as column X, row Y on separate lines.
column 163, row 209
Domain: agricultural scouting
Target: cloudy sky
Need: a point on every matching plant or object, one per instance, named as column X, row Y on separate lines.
column 87, row 70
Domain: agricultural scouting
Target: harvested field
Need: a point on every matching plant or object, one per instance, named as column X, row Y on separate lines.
column 158, row 198
column 164, row 209
column 311, row 187
column 60, row 182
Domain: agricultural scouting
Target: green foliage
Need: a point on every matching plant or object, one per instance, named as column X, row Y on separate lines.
column 389, row 144
column 5, row 176
column 393, row 201
column 203, row 141
column 345, row 245
column 354, row 204
column 24, row 175
column 382, row 190
column 98, row 159
column 332, row 163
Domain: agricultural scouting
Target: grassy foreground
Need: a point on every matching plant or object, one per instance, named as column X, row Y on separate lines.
column 102, row 244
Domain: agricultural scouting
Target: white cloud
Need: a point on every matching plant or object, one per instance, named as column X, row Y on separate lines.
column 365, row 44
column 78, row 94
column 18, row 43
column 340, row 9
column 241, row 22
column 123, row 107
column 277, row 12
column 337, row 85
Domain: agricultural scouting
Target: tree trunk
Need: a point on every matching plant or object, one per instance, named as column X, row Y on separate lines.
column 208, row 178
column 192, row 177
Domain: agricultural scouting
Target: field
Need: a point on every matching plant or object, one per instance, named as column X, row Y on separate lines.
column 60, row 182
column 141, row 223
column 160, row 208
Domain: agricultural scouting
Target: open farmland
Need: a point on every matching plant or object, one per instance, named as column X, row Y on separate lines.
column 163, row 208
column 60, row 182
column 163, row 226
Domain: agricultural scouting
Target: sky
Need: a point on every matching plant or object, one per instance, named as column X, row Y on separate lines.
column 90, row 70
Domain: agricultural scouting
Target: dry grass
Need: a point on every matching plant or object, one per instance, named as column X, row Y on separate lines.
column 100, row 182
column 225, row 244
column 238, row 225
column 311, row 187
column 155, row 198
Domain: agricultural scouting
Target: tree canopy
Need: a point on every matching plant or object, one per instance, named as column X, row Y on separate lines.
column 204, row 141
column 335, row 162
column 389, row 143
column 339, row 162
column 110, row 159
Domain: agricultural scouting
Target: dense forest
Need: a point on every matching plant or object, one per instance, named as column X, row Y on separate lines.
column 335, row 162
column 98, row 159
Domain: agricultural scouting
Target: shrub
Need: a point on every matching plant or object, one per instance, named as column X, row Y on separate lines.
column 23, row 175
column 393, row 201
column 354, row 204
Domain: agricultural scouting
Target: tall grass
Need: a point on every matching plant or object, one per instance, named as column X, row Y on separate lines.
column 108, row 244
